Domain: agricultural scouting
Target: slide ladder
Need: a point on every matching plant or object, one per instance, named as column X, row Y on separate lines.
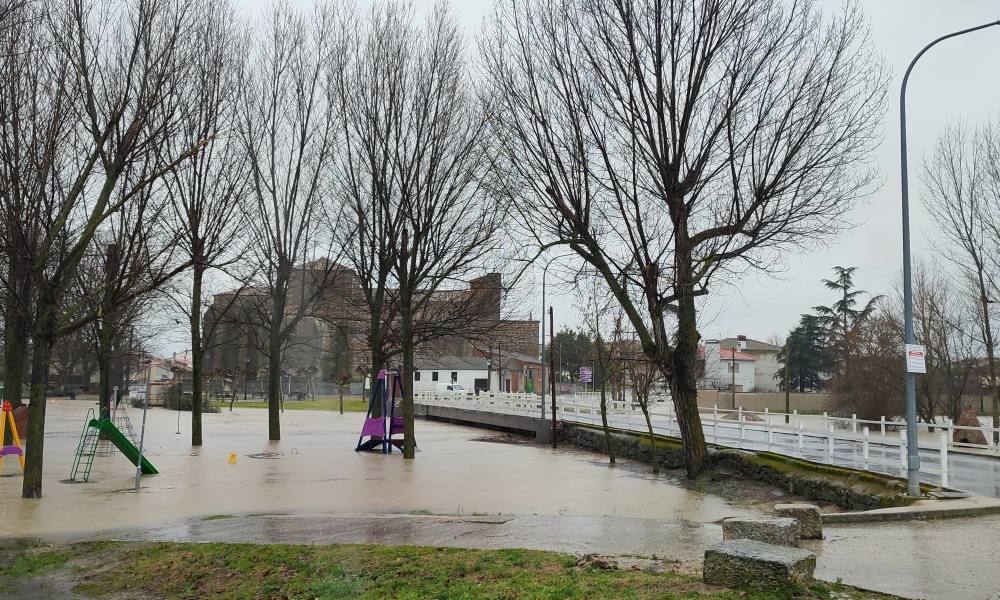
column 86, row 449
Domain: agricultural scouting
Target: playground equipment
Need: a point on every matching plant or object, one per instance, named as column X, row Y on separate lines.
column 119, row 417
column 94, row 430
column 380, row 429
column 8, row 417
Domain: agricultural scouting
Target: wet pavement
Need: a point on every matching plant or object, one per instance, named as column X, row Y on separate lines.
column 460, row 491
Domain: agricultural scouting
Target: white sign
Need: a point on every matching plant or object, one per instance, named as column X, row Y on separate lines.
column 586, row 375
column 915, row 362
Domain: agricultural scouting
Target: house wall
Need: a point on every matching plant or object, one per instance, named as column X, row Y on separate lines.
column 466, row 378
column 717, row 374
column 773, row 401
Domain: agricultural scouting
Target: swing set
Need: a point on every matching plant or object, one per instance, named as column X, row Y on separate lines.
column 380, row 429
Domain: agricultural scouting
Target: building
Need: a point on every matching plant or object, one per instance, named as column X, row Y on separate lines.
column 765, row 360
column 726, row 368
column 330, row 343
column 432, row 374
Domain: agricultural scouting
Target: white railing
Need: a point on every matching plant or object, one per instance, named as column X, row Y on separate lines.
column 823, row 438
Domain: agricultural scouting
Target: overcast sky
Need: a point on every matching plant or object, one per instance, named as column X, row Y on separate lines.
column 957, row 80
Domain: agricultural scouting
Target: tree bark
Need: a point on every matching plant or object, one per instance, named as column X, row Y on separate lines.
column 197, row 355
column 682, row 374
column 990, row 356
column 608, row 441
column 406, row 333
column 274, row 363
column 41, row 355
column 104, row 339
column 644, row 405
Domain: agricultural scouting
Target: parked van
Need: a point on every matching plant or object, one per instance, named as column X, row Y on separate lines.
column 449, row 387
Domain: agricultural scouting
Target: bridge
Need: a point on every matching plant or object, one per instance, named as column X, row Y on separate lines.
column 876, row 446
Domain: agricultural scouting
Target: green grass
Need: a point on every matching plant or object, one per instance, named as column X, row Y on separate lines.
column 351, row 404
column 236, row 571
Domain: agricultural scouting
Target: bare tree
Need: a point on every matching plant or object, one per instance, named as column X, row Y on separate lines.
column 414, row 173
column 288, row 127
column 963, row 197
column 673, row 144
column 207, row 191
column 113, row 99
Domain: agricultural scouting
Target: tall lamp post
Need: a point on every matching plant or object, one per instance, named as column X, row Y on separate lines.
column 912, row 451
column 545, row 273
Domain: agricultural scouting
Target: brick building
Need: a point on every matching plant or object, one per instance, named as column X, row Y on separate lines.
column 331, row 341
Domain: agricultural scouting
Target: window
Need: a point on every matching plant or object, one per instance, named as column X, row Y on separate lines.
column 434, row 375
column 454, row 376
column 416, row 376
column 734, row 367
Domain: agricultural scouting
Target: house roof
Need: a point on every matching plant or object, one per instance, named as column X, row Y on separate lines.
column 450, row 363
column 752, row 345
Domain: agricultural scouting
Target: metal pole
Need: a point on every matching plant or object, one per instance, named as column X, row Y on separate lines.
column 913, row 458
column 788, row 382
column 142, row 440
column 552, row 328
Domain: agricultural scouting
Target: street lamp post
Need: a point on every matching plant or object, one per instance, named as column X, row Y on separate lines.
column 913, row 453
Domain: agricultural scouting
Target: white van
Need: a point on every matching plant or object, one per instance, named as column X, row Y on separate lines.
column 449, row 387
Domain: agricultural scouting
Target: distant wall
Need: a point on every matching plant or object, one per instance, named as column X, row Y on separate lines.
column 774, row 401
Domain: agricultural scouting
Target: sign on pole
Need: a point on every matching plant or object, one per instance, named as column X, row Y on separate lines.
column 586, row 375
column 915, row 359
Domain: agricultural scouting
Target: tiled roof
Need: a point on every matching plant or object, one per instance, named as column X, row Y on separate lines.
column 727, row 354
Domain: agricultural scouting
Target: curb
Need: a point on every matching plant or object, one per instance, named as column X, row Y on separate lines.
column 912, row 513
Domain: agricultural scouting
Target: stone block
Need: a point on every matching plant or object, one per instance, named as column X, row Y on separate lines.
column 783, row 531
column 810, row 523
column 757, row 565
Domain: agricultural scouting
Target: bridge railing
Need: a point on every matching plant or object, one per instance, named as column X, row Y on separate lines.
column 835, row 440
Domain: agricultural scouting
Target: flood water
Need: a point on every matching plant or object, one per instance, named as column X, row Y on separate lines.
column 314, row 469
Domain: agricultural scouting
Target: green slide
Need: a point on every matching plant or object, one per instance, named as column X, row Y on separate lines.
column 121, row 442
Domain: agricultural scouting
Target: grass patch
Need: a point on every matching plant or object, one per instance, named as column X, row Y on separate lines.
column 351, row 404
column 237, row 571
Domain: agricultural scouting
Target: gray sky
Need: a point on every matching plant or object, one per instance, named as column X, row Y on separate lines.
column 953, row 82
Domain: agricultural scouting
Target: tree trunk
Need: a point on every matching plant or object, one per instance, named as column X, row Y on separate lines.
column 406, row 335
column 16, row 331
column 340, row 390
column 274, row 370
column 990, row 357
column 644, row 405
column 197, row 356
column 104, row 336
column 683, row 377
column 41, row 354
column 604, row 422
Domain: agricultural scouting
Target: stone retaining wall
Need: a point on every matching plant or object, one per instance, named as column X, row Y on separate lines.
column 847, row 488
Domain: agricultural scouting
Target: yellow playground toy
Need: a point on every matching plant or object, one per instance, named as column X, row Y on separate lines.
column 8, row 417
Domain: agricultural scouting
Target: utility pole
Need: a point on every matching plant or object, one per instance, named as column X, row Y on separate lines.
column 732, row 373
column 552, row 367
column 913, row 453
column 788, row 382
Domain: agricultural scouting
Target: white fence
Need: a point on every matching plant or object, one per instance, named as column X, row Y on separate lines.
column 878, row 446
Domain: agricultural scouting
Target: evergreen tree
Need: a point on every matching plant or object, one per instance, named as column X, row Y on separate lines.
column 807, row 356
column 842, row 319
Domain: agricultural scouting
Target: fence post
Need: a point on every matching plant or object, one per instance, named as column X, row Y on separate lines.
column 882, row 420
column 800, row 437
column 739, row 413
column 769, row 438
column 864, row 446
column 741, row 434
column 824, row 421
column 854, row 423
column 795, row 417
column 829, row 445
column 902, row 448
column 944, row 459
column 767, row 416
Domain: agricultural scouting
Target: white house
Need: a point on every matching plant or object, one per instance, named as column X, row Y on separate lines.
column 765, row 360
column 726, row 367
column 430, row 374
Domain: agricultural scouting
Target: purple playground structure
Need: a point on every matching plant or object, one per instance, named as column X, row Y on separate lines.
column 380, row 429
